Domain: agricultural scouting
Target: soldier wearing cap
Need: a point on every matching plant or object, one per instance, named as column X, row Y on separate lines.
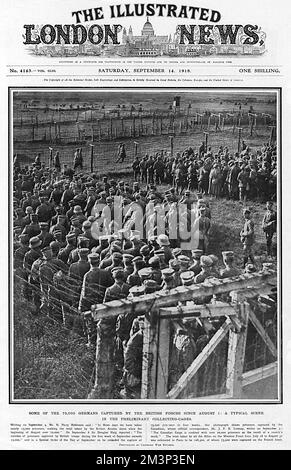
column 77, row 272
column 58, row 263
column 58, row 237
column 195, row 267
column 20, row 252
column 184, row 263
column 32, row 229
column 120, row 289
column 161, row 255
column 31, row 269
column 64, row 253
column 136, row 291
column 136, row 245
column 26, row 219
column 134, row 279
column 82, row 242
column 187, row 278
column 60, row 226
column 44, row 211
column 214, row 270
column 151, row 286
column 75, row 227
column 144, row 274
column 201, row 228
column 32, row 254
column 145, row 253
column 229, row 270
column 175, row 265
column 78, row 213
column 107, row 260
column 87, row 233
column 128, row 265
column 168, row 281
column 156, row 274
column 164, row 243
column 206, row 264
column 116, row 262
column 45, row 236
column 103, row 244
column 269, row 224
column 95, row 283
column 247, row 236
column 91, row 199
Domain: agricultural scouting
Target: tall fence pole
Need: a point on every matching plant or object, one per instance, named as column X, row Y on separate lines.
column 172, row 145
column 239, row 139
column 91, row 157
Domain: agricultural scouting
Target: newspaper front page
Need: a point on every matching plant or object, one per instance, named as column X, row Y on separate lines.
column 144, row 252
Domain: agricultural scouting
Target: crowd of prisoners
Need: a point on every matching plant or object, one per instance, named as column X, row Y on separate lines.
column 71, row 252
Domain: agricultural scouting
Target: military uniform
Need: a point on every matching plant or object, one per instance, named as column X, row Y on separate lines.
column 269, row 227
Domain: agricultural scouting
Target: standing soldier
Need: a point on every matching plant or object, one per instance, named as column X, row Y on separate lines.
column 121, row 154
column 95, row 283
column 247, row 236
column 201, row 230
column 57, row 163
column 136, row 168
column 30, row 257
column 269, row 225
column 77, row 272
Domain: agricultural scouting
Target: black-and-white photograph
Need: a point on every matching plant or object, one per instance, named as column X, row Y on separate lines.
column 145, row 245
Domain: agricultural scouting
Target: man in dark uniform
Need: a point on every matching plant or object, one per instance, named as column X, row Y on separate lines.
column 195, row 267
column 32, row 229
column 21, row 251
column 95, row 283
column 121, row 154
column 64, row 253
column 269, row 225
column 30, row 257
column 45, row 236
column 247, row 236
column 77, row 272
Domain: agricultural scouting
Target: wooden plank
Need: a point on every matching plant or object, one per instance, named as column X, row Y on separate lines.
column 236, row 354
column 203, row 311
column 221, row 396
column 260, row 373
column 150, row 358
column 163, row 358
column 139, row 305
column 264, row 335
column 199, row 361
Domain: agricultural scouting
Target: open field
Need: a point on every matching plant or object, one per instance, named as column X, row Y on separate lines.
column 105, row 152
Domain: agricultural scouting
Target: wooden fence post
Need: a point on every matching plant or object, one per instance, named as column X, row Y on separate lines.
column 163, row 358
column 105, row 364
column 150, row 356
column 91, row 157
column 237, row 347
column 172, row 144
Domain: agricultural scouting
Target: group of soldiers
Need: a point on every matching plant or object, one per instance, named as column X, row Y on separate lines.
column 244, row 175
column 70, row 253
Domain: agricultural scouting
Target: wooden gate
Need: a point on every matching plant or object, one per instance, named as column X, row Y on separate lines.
column 160, row 309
